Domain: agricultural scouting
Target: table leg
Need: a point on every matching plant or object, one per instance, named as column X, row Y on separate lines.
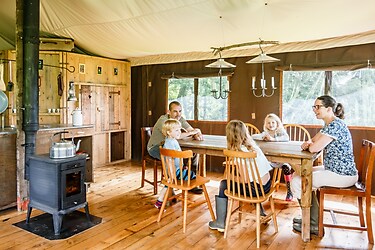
column 306, row 185
column 202, row 164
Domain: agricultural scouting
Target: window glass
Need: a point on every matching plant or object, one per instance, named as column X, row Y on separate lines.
column 211, row 109
column 182, row 90
column 208, row 108
column 300, row 88
column 356, row 91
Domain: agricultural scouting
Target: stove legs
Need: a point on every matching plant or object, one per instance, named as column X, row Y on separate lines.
column 29, row 208
column 87, row 212
column 57, row 216
column 57, row 221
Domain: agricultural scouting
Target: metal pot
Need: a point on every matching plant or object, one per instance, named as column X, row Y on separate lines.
column 64, row 148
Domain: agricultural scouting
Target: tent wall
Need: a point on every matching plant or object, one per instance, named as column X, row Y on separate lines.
column 242, row 102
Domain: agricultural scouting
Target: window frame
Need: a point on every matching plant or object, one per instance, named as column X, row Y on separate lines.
column 196, row 95
column 328, row 73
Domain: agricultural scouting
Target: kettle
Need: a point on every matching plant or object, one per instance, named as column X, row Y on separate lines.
column 77, row 117
column 64, row 148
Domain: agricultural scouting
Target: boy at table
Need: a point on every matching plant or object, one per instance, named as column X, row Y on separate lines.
column 157, row 137
column 172, row 132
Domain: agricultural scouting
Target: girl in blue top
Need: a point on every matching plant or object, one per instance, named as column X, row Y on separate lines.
column 339, row 168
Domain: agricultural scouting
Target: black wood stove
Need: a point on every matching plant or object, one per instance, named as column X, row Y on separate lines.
column 57, row 186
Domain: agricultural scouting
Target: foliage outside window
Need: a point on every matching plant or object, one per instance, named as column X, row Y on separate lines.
column 196, row 98
column 354, row 89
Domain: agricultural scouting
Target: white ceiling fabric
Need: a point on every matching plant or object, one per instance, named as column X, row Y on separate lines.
column 140, row 30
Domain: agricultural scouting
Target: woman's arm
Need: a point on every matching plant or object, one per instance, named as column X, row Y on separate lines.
column 317, row 143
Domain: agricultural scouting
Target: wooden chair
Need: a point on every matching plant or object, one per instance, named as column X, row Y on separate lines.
column 362, row 190
column 170, row 179
column 240, row 169
column 297, row 132
column 145, row 136
column 252, row 129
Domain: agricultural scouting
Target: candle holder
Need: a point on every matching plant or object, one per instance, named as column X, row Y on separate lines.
column 223, row 93
column 220, row 64
column 263, row 90
column 263, row 86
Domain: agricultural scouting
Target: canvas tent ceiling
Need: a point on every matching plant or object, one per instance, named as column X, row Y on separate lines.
column 158, row 31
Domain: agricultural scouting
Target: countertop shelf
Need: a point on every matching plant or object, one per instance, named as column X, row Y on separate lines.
column 45, row 127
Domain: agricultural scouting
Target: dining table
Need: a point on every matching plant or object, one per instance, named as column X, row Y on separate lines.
column 283, row 152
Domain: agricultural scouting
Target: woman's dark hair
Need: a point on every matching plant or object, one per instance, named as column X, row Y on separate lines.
column 329, row 101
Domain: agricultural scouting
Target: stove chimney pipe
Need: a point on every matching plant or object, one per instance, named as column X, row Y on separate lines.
column 30, row 96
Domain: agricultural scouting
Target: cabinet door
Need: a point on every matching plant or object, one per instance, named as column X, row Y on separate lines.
column 49, row 94
column 114, row 107
column 88, row 99
column 8, row 177
column 102, row 112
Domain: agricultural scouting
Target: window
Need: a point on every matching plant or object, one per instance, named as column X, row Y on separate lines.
column 354, row 89
column 196, row 98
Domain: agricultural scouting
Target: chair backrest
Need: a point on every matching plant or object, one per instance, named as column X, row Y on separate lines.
column 241, row 170
column 169, row 158
column 297, row 132
column 145, row 137
column 366, row 164
column 252, row 129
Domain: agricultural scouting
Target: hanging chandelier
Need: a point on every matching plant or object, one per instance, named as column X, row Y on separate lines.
column 262, row 58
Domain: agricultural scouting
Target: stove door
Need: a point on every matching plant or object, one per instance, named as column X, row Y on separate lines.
column 73, row 191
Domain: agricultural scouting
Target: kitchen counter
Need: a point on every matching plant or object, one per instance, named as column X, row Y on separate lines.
column 8, row 131
column 46, row 127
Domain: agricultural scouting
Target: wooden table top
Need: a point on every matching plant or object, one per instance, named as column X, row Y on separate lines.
column 291, row 149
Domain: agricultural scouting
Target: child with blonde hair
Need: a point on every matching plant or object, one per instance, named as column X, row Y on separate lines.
column 273, row 130
column 172, row 131
column 238, row 138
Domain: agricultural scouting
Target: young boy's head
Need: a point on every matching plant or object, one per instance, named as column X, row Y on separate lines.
column 172, row 128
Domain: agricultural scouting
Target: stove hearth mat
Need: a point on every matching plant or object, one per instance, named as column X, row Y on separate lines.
column 73, row 223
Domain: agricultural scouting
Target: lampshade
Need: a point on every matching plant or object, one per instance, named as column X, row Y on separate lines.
column 263, row 58
column 220, row 63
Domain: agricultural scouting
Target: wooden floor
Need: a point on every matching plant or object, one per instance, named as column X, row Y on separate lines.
column 129, row 222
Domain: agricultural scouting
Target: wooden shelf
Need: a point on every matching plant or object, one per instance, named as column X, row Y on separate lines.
column 41, row 113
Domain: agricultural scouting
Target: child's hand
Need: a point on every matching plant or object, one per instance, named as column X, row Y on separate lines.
column 267, row 138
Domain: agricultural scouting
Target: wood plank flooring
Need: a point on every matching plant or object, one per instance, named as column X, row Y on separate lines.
column 129, row 221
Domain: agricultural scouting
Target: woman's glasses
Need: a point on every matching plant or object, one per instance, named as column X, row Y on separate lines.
column 316, row 107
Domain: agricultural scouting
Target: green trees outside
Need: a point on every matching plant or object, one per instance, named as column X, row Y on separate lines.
column 354, row 89
column 208, row 108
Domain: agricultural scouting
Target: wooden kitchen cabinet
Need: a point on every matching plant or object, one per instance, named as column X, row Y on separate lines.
column 8, row 171
column 103, row 96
